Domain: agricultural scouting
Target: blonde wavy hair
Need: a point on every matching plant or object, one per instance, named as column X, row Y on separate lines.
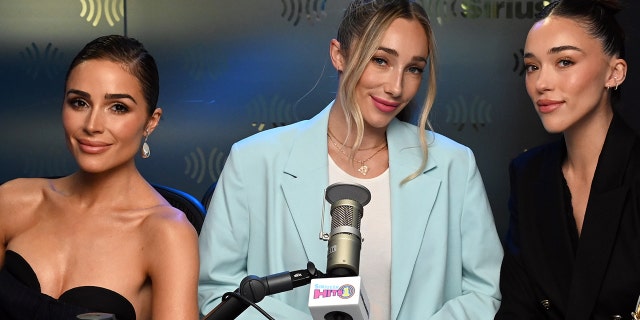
column 359, row 35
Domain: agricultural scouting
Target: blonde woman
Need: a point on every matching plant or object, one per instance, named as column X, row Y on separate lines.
column 431, row 248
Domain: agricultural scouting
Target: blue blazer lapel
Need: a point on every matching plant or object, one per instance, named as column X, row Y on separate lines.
column 306, row 177
column 411, row 205
column 304, row 181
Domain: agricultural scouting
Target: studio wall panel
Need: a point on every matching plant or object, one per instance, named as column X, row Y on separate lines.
column 230, row 69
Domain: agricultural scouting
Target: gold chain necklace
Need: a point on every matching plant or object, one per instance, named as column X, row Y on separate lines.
column 363, row 167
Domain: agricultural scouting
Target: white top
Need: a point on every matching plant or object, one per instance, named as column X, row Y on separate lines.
column 375, row 228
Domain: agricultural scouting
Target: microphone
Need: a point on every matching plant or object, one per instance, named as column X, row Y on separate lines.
column 253, row 289
column 343, row 255
column 342, row 295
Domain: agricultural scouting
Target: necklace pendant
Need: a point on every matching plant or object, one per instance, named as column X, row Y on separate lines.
column 363, row 169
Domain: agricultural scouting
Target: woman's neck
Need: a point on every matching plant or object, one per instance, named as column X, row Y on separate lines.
column 346, row 135
column 94, row 188
column 584, row 142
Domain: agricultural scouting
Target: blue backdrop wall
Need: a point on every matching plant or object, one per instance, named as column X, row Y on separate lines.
column 230, row 69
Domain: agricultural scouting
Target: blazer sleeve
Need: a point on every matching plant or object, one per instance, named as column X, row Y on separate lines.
column 224, row 244
column 481, row 254
column 515, row 283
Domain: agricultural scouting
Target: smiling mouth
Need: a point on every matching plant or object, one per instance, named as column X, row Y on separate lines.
column 546, row 106
column 384, row 105
column 92, row 147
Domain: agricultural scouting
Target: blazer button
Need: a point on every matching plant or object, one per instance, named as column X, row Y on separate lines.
column 546, row 304
column 616, row 317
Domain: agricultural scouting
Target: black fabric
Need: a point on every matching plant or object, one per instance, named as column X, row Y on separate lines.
column 550, row 273
column 20, row 296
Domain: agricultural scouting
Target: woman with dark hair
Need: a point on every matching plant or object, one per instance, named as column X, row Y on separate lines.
column 431, row 250
column 101, row 239
column 573, row 242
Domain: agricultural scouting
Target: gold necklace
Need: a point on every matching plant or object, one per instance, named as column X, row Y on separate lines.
column 333, row 136
column 363, row 167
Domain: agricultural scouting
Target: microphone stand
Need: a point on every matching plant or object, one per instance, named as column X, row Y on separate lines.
column 253, row 289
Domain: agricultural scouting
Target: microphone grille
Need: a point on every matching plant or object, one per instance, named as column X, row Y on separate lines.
column 346, row 213
column 356, row 192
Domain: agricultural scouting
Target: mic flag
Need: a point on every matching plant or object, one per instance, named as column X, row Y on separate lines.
column 338, row 298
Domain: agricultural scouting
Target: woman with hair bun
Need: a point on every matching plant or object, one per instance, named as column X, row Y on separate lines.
column 101, row 239
column 572, row 249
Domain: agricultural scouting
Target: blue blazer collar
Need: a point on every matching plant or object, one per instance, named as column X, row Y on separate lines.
column 306, row 177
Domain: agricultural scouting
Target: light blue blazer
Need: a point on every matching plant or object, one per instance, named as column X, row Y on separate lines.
column 265, row 217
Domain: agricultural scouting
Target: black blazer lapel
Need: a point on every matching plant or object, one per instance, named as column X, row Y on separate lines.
column 592, row 259
column 549, row 226
column 602, row 220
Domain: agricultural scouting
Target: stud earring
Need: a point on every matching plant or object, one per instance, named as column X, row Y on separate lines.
column 146, row 152
column 616, row 79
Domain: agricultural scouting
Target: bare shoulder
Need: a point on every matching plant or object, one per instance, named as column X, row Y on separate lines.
column 171, row 247
column 22, row 187
column 171, row 254
column 21, row 194
column 19, row 203
column 165, row 225
column 166, row 216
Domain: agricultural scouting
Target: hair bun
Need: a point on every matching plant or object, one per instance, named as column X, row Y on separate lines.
column 611, row 6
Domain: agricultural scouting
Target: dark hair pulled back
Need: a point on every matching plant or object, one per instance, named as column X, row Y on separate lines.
column 132, row 55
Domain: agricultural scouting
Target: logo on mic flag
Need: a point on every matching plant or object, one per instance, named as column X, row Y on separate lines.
column 342, row 294
column 345, row 291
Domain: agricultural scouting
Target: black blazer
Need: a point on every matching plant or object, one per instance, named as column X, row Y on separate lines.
column 547, row 273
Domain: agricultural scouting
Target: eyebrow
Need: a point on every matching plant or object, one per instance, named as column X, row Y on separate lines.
column 563, row 48
column 555, row 50
column 108, row 96
column 111, row 96
column 79, row 92
column 395, row 53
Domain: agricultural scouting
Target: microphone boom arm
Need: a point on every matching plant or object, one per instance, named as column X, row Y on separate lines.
column 253, row 289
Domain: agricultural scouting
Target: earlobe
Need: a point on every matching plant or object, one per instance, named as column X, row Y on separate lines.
column 337, row 59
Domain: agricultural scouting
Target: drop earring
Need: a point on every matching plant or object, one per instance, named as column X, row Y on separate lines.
column 146, row 152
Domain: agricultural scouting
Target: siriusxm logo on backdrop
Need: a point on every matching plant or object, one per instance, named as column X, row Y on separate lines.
column 519, row 65
column 272, row 113
column 487, row 9
column 198, row 165
column 47, row 61
column 95, row 9
column 293, row 10
column 462, row 113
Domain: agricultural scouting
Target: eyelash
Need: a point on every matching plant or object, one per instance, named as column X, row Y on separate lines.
column 562, row 63
column 565, row 63
column 528, row 67
column 381, row 62
column 79, row 104
column 119, row 108
column 416, row 70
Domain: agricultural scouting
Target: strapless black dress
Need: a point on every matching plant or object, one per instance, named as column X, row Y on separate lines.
column 21, row 298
